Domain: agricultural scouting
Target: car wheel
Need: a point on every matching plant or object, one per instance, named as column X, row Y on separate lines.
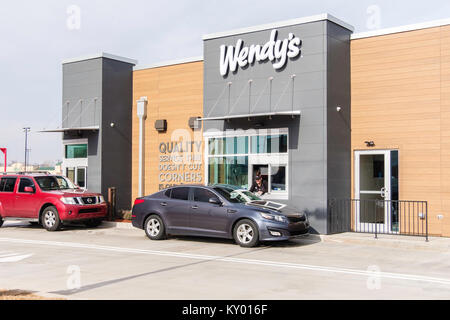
column 246, row 233
column 93, row 223
column 50, row 219
column 154, row 228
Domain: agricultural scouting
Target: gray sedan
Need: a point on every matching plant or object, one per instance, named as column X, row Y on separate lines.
column 214, row 211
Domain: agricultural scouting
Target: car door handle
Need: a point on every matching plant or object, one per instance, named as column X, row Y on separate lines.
column 231, row 211
column 194, row 207
column 163, row 204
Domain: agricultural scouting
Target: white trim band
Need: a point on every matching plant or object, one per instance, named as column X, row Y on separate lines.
column 253, row 115
column 410, row 27
column 169, row 63
column 280, row 24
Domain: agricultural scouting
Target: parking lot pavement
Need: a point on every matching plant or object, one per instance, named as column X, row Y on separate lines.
column 113, row 263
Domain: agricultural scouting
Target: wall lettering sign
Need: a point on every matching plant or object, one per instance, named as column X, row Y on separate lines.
column 276, row 51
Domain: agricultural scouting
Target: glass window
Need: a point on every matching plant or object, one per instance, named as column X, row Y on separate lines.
column 64, row 183
column 76, row 151
column 371, row 172
column 269, row 144
column 25, row 182
column 278, row 178
column 229, row 194
column 228, row 145
column 70, row 173
column 203, row 195
column 49, row 183
column 7, row 184
column 167, row 193
column 229, row 170
column 81, row 177
column 180, row 193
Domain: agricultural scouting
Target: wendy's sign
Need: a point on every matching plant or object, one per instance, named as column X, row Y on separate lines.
column 276, row 51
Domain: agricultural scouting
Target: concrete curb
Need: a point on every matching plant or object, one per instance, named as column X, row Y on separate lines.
column 118, row 225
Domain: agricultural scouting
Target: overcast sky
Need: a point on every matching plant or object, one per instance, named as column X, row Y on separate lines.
column 37, row 35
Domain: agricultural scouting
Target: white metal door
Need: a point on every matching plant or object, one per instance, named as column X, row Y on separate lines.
column 372, row 190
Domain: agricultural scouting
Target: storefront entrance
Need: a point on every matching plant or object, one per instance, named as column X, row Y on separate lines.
column 376, row 191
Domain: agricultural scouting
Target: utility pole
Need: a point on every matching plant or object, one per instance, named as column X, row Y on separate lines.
column 26, row 130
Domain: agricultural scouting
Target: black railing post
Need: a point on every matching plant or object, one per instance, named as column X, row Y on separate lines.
column 426, row 221
column 376, row 222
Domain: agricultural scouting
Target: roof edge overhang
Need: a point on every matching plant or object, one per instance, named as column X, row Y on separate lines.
column 280, row 24
column 91, row 128
column 101, row 55
column 293, row 113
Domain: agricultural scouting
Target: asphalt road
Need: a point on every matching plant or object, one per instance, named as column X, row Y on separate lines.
column 111, row 263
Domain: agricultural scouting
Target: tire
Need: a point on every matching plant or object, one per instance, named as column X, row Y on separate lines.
column 246, row 233
column 50, row 219
column 154, row 228
column 93, row 223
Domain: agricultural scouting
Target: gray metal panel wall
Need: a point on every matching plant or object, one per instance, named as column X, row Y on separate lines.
column 82, row 93
column 83, row 81
column 310, row 156
column 338, row 123
column 116, row 141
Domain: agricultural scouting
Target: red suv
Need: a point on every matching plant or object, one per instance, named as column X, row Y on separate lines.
column 49, row 200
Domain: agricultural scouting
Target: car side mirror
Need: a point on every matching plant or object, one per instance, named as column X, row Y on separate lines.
column 28, row 190
column 215, row 201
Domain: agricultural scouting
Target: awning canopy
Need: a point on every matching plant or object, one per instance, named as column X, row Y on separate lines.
column 92, row 128
column 292, row 113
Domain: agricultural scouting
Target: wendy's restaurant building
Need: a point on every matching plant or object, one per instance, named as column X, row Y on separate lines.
column 352, row 128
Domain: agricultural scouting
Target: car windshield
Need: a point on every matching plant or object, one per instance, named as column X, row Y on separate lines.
column 230, row 195
column 250, row 195
column 49, row 183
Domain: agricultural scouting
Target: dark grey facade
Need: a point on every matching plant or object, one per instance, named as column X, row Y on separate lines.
column 316, row 84
column 97, row 100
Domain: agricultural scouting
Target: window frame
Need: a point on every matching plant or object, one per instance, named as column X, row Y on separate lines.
column 29, row 179
column 179, row 187
column 15, row 184
column 72, row 145
column 207, row 190
column 270, row 159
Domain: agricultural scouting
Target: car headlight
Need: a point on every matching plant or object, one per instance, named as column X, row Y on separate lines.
column 273, row 217
column 68, row 200
column 101, row 199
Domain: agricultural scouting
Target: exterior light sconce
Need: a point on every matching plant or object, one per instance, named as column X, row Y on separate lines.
column 161, row 125
column 112, row 124
column 370, row 144
column 195, row 123
column 339, row 109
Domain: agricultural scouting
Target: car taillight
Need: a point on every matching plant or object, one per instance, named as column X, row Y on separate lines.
column 138, row 201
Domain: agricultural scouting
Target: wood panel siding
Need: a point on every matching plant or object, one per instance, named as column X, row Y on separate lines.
column 175, row 93
column 401, row 100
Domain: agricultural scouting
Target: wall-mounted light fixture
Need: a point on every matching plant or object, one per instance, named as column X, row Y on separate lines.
column 194, row 123
column 161, row 125
column 338, row 108
column 370, row 144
